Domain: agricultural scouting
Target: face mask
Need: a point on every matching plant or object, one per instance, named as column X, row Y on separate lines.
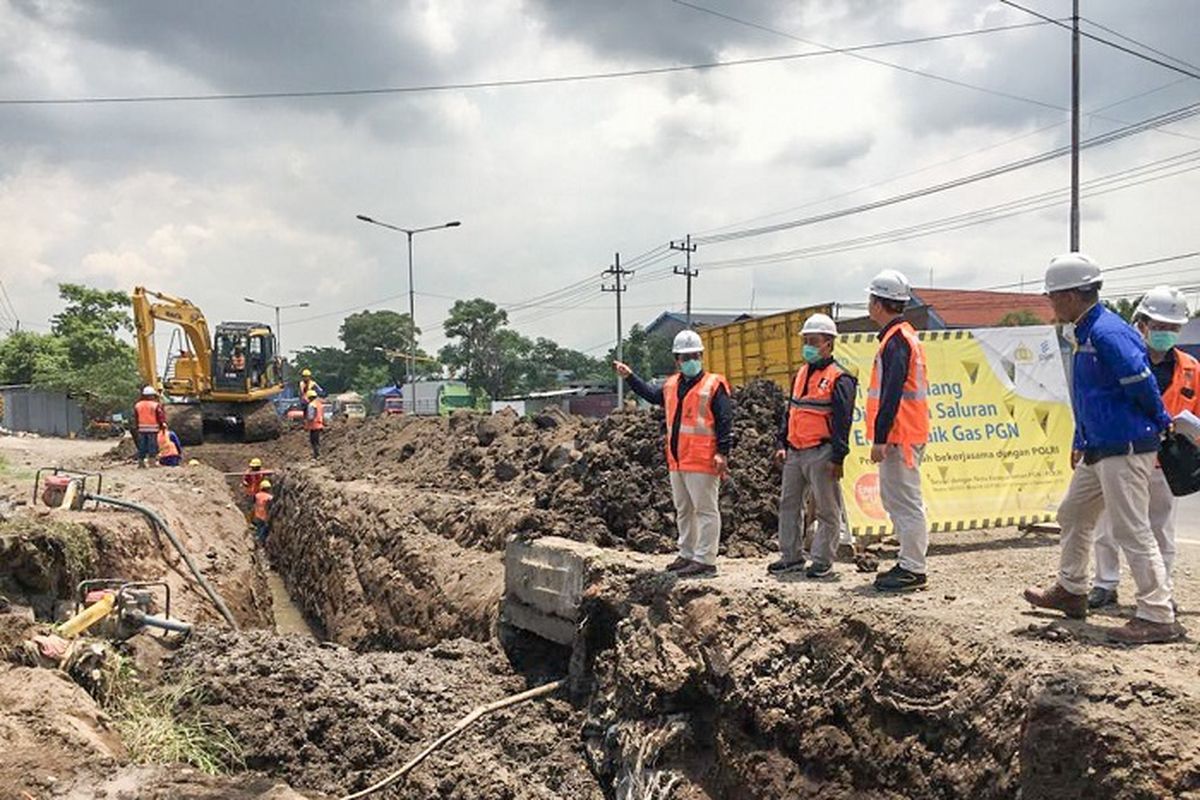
column 1068, row 332
column 690, row 368
column 812, row 354
column 1162, row 341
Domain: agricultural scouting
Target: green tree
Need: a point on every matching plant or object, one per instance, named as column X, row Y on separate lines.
column 1123, row 306
column 90, row 323
column 1019, row 318
column 330, row 366
column 368, row 378
column 648, row 354
column 382, row 339
column 25, row 354
column 474, row 327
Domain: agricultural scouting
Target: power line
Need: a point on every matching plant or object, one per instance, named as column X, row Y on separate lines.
column 1143, row 45
column 1175, row 115
column 1119, row 268
column 497, row 84
column 1191, row 73
column 853, row 53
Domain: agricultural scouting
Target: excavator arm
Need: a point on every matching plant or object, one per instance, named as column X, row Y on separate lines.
column 192, row 376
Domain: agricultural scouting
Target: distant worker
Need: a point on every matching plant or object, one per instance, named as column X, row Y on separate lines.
column 237, row 363
column 307, row 385
column 170, row 449
column 699, row 417
column 898, row 427
column 1119, row 423
column 262, row 510
column 813, row 442
column 252, row 479
column 1159, row 317
column 150, row 417
column 314, row 421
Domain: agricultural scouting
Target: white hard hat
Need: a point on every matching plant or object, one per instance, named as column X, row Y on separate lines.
column 148, row 391
column 687, row 342
column 1164, row 304
column 819, row 323
column 1071, row 271
column 890, row 285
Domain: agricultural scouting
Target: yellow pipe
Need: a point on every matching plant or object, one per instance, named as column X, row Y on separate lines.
column 88, row 617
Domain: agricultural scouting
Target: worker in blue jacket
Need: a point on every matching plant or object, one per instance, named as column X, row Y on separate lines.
column 1119, row 423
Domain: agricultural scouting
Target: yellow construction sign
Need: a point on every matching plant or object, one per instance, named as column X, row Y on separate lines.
column 1000, row 430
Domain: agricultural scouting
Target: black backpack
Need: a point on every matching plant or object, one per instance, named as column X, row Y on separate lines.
column 1180, row 460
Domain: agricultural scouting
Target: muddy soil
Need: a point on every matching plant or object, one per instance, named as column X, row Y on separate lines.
column 749, row 686
column 329, row 720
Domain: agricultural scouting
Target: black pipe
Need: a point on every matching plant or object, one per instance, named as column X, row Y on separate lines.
column 155, row 519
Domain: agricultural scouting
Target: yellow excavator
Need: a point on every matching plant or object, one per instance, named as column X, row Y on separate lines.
column 224, row 382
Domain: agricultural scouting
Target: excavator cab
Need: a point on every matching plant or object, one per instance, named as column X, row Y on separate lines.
column 244, row 357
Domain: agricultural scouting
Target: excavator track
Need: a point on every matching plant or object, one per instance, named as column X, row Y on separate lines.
column 260, row 422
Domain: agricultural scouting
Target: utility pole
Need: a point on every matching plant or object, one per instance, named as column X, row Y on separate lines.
column 688, row 248
column 618, row 287
column 1075, row 126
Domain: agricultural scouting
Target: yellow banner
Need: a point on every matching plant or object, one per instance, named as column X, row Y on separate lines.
column 1000, row 430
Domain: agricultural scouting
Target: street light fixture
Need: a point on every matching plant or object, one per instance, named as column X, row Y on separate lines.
column 278, row 334
column 412, row 310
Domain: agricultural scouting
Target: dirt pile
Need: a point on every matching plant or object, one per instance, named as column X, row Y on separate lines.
column 617, row 493
column 353, row 718
column 769, row 694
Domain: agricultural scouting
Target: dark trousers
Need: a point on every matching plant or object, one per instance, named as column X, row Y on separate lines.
column 147, row 445
column 260, row 530
column 314, row 439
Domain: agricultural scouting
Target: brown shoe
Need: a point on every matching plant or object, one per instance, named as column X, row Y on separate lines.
column 1143, row 631
column 695, row 569
column 679, row 563
column 1056, row 597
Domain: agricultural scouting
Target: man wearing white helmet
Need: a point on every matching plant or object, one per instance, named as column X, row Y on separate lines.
column 699, row 417
column 149, row 417
column 1159, row 317
column 898, row 427
column 1119, row 422
column 813, row 442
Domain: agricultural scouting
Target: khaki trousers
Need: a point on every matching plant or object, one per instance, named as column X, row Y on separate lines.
column 803, row 471
column 1162, row 523
column 900, row 491
column 697, row 515
column 1120, row 484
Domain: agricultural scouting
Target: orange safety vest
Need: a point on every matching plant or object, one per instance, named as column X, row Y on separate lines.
column 146, row 413
column 238, row 362
column 810, row 416
column 318, row 419
column 166, row 448
column 697, row 442
column 911, row 426
column 261, row 499
column 250, row 482
column 1184, row 392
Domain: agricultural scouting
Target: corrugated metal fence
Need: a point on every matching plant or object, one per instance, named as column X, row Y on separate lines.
column 35, row 411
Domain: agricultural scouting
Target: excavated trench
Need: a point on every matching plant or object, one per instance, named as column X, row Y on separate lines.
column 725, row 689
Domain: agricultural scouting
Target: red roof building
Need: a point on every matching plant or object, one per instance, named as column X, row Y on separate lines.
column 971, row 308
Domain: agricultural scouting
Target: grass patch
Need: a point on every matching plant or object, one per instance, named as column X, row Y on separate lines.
column 166, row 725
column 62, row 547
column 16, row 473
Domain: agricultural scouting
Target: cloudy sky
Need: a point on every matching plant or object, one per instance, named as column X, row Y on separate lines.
column 218, row 199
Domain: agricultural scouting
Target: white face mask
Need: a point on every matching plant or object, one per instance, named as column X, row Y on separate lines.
column 1068, row 332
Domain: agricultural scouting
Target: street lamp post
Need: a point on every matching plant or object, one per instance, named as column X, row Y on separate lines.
column 412, row 303
column 278, row 333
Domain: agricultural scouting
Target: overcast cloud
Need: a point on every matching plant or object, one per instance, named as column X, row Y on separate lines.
column 217, row 200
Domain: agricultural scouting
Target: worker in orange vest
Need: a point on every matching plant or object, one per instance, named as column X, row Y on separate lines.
column 149, row 417
column 307, row 384
column 814, row 440
column 1159, row 317
column 238, row 362
column 262, row 509
column 314, row 421
column 699, row 417
column 898, row 427
column 252, row 478
column 170, row 449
